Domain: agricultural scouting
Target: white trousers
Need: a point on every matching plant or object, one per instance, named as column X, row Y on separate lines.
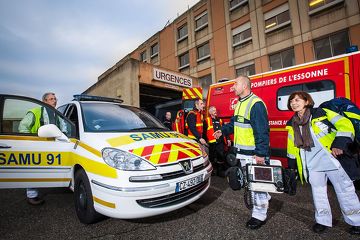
column 32, row 192
column 261, row 205
column 345, row 192
column 261, row 199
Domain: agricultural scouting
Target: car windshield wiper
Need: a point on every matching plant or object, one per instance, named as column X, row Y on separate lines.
column 148, row 128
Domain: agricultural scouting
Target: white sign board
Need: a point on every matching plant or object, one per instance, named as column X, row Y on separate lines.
column 172, row 78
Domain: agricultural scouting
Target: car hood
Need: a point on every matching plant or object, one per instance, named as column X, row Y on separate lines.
column 156, row 147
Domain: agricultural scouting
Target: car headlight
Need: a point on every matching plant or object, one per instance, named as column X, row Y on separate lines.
column 124, row 160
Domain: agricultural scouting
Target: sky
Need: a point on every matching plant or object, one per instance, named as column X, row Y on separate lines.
column 63, row 46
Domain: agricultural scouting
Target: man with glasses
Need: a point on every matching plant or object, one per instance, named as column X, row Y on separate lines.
column 33, row 120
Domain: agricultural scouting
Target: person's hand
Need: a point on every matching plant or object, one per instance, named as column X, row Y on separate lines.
column 336, row 152
column 202, row 141
column 259, row 160
column 228, row 143
column 217, row 134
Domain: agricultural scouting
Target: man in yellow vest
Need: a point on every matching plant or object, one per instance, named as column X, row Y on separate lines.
column 32, row 121
column 216, row 146
column 251, row 138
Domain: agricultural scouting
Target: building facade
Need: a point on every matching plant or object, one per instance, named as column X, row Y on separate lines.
column 221, row 39
column 218, row 39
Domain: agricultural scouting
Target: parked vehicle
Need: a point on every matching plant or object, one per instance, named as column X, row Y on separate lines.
column 325, row 79
column 119, row 160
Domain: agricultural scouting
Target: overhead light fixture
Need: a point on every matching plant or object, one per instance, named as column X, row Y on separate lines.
column 271, row 25
column 315, row 2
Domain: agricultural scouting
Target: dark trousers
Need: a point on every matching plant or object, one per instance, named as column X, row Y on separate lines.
column 217, row 157
column 290, row 177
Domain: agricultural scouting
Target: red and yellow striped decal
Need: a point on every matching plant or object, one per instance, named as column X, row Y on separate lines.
column 167, row 153
column 192, row 93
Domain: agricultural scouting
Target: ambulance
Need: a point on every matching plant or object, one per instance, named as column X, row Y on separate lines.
column 119, row 160
column 324, row 79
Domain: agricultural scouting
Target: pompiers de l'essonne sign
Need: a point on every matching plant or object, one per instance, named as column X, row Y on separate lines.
column 171, row 78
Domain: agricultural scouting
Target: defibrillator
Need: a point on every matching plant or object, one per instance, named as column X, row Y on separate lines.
column 265, row 178
column 256, row 178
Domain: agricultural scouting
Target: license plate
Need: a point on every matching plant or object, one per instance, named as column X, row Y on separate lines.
column 181, row 186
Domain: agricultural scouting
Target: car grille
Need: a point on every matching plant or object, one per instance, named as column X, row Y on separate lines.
column 181, row 173
column 173, row 199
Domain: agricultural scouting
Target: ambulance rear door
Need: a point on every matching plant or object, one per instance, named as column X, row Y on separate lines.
column 27, row 160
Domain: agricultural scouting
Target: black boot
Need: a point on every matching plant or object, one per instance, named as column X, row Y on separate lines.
column 221, row 169
column 290, row 181
column 355, row 230
column 319, row 228
column 215, row 169
column 293, row 182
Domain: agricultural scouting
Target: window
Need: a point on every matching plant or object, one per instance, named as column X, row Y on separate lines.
column 319, row 5
column 245, row 69
column 234, row 4
column 18, row 117
column 154, row 50
column 205, row 82
column 122, row 118
column 72, row 115
column 182, row 33
column 241, row 34
column 277, row 18
column 203, row 52
column 62, row 108
column 143, row 56
column 184, row 60
column 201, row 21
column 282, row 59
column 331, row 45
column 320, row 91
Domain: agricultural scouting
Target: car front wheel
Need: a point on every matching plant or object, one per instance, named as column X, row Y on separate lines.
column 84, row 204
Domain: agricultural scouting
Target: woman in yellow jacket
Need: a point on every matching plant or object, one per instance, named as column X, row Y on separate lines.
column 316, row 137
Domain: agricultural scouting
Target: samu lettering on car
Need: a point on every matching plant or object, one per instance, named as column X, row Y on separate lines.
column 28, row 159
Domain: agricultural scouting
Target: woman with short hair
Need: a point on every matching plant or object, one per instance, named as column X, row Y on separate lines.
column 316, row 138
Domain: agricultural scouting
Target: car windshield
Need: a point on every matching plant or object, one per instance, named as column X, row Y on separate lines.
column 109, row 117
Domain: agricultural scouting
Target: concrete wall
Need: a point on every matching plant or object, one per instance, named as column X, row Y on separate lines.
column 123, row 80
column 119, row 81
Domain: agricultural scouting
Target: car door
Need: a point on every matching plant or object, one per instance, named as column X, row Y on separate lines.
column 27, row 160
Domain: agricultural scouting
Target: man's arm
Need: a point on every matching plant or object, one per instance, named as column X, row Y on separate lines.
column 228, row 129
column 26, row 123
column 260, row 125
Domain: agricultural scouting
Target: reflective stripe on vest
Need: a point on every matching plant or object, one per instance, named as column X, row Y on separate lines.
column 210, row 130
column 243, row 132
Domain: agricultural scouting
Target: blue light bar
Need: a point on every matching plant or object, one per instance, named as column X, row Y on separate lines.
column 84, row 97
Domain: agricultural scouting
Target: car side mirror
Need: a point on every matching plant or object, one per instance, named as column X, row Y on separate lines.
column 52, row 131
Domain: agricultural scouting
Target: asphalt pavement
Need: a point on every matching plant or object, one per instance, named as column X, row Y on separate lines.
column 219, row 214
